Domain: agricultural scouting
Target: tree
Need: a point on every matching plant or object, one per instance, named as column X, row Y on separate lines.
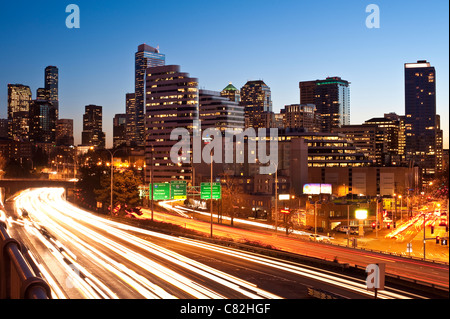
column 231, row 193
column 90, row 177
column 15, row 169
column 125, row 191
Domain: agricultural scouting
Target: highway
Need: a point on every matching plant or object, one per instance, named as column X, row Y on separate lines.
column 84, row 256
column 436, row 274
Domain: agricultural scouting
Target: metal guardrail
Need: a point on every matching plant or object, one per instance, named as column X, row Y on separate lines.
column 17, row 279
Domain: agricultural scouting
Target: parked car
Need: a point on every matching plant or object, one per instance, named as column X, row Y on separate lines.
column 316, row 237
column 343, row 229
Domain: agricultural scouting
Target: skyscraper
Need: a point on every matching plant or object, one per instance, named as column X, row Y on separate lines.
column 19, row 100
column 43, row 116
column 93, row 134
column 332, row 99
column 420, row 116
column 51, row 85
column 256, row 98
column 172, row 102
column 145, row 57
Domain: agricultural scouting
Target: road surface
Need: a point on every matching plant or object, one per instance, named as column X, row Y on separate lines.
column 82, row 255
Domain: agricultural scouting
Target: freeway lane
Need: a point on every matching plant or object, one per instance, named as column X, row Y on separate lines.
column 82, row 255
column 437, row 274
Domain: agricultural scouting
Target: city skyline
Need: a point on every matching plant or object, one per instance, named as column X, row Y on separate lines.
column 372, row 60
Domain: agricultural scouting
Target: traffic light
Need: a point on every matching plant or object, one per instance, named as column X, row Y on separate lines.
column 388, row 225
column 437, row 239
column 373, row 225
column 432, row 229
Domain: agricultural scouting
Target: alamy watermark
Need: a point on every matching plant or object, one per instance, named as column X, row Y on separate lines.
column 373, row 19
column 73, row 19
column 228, row 148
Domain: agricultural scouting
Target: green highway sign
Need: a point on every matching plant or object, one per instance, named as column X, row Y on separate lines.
column 205, row 191
column 178, row 190
column 161, row 191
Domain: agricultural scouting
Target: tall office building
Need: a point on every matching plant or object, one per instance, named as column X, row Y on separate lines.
column 42, row 120
column 51, row 85
column 420, row 116
column 19, row 100
column 302, row 116
column 130, row 111
column 332, row 99
column 119, row 130
column 64, row 132
column 145, row 57
column 93, row 134
column 172, row 102
column 216, row 111
column 256, row 98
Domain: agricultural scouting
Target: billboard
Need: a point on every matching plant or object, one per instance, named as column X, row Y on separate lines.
column 317, row 189
column 311, row 189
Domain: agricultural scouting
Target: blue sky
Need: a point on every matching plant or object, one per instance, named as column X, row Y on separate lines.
column 281, row 42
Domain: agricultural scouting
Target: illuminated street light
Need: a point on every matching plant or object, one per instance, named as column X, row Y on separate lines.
column 361, row 215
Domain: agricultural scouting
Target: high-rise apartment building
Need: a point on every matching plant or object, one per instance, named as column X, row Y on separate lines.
column 332, row 99
column 145, row 57
column 420, row 116
column 216, row 111
column 171, row 102
column 256, row 98
column 19, row 100
column 93, row 134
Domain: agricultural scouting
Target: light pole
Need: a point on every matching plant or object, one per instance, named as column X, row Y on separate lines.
column 211, row 208
column 276, row 198
column 112, row 176
column 401, row 207
column 348, row 224
column 151, row 180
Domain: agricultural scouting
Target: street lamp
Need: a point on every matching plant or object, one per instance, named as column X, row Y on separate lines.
column 361, row 215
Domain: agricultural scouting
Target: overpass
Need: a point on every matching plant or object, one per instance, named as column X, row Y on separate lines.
column 11, row 186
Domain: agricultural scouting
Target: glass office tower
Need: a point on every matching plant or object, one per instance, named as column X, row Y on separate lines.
column 332, row 99
column 172, row 102
column 420, row 116
column 256, row 98
column 51, row 85
column 145, row 57
column 19, row 100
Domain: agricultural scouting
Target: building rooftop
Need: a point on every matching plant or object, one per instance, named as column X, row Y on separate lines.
column 230, row 87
